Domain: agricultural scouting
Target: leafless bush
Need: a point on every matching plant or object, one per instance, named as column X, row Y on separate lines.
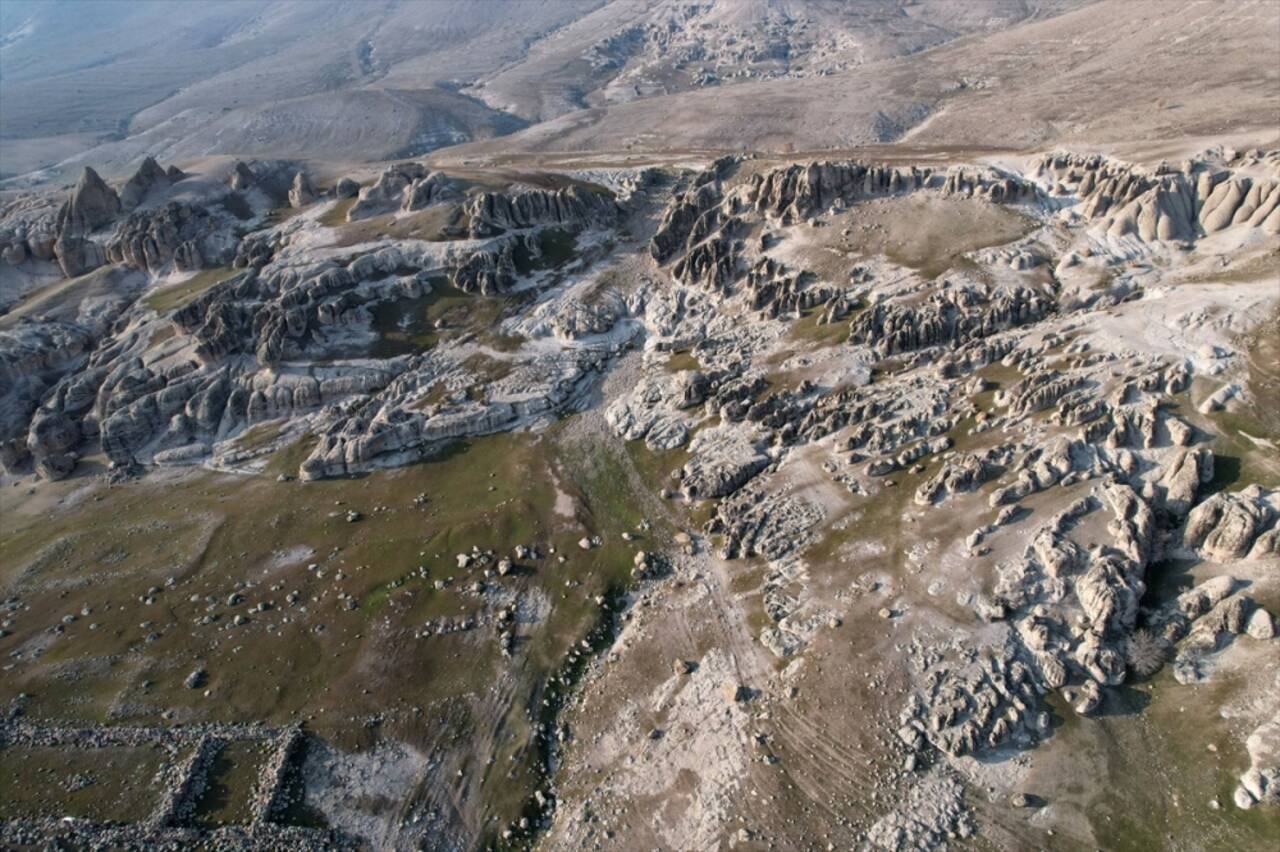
column 1145, row 652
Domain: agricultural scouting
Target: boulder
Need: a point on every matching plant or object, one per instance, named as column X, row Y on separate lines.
column 346, row 188
column 242, row 177
column 1261, row 625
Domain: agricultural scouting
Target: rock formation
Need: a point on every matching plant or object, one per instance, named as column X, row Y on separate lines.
column 387, row 192
column 301, row 193
column 492, row 213
column 1171, row 204
column 435, row 188
column 149, row 176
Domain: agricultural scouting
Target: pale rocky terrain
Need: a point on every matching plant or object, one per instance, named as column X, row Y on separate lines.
column 767, row 439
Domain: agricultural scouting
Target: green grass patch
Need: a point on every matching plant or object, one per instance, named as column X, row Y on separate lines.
column 257, row 437
column 226, row 799
column 280, row 215
column 655, row 466
column 171, row 298
column 807, row 329
column 1171, row 727
column 286, row 460
column 556, row 247
column 682, row 359
column 437, row 223
column 337, row 212
column 114, row 783
column 1238, row 461
column 406, row 326
column 317, row 660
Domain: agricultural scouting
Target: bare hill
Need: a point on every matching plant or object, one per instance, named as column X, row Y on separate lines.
column 211, row 78
column 1108, row 72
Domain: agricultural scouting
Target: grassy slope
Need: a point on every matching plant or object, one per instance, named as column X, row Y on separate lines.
column 178, row 295
column 320, row 664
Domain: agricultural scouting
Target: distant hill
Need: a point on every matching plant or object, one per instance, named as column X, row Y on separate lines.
column 109, row 81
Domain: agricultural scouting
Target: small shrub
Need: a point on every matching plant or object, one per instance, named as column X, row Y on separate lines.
column 1145, row 652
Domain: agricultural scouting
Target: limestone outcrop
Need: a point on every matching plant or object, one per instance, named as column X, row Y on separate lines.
column 301, row 193
column 186, row 235
column 386, row 193
column 492, row 213
column 149, row 176
column 91, row 205
column 435, row 188
column 796, row 192
column 1236, row 525
column 1260, row 783
column 1170, row 204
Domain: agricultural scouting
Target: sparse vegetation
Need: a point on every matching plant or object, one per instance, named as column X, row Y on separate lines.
column 337, row 213
column 493, row 492
column 557, row 247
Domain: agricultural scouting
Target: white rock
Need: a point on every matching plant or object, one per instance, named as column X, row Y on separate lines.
column 1261, row 625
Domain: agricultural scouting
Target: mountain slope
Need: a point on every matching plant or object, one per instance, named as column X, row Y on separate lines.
column 110, row 82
